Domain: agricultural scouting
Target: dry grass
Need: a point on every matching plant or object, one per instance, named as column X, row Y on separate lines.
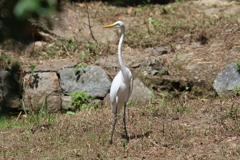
column 184, row 127
column 178, row 129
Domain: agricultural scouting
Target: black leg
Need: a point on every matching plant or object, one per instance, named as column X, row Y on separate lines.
column 124, row 122
column 113, row 128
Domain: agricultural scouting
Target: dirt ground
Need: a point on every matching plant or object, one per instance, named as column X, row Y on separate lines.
column 191, row 123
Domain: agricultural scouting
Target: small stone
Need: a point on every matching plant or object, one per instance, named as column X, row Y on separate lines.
column 227, row 81
column 154, row 72
column 235, row 50
column 145, row 73
column 178, row 47
column 67, row 103
column 135, row 65
column 159, row 51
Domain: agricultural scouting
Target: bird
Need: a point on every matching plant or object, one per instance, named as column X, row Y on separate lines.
column 122, row 84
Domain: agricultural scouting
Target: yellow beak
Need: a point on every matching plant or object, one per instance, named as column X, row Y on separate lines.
column 109, row 26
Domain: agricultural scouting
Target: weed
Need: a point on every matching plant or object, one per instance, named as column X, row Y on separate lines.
column 238, row 65
column 155, row 23
column 34, row 118
column 6, row 59
column 80, row 65
column 236, row 89
column 179, row 109
column 80, row 99
column 232, row 113
column 160, row 73
column 33, row 67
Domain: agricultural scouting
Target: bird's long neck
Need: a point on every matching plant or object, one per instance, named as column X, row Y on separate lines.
column 123, row 68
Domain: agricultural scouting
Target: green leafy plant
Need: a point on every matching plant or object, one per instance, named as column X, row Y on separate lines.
column 6, row 59
column 236, row 89
column 80, row 65
column 238, row 65
column 80, row 99
column 179, row 109
column 33, row 67
column 34, row 118
column 155, row 23
column 232, row 113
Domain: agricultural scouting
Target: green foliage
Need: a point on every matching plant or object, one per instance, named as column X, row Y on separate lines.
column 6, row 58
column 155, row 23
column 80, row 99
column 179, row 109
column 34, row 118
column 80, row 65
column 232, row 113
column 236, row 89
column 238, row 65
column 33, row 67
column 70, row 113
column 16, row 64
column 23, row 7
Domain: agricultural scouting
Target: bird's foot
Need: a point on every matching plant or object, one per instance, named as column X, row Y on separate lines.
column 110, row 142
column 127, row 139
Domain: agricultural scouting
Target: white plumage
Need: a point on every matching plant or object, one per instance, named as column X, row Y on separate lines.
column 122, row 84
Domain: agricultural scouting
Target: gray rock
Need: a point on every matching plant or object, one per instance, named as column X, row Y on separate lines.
column 154, row 72
column 235, row 50
column 184, row 57
column 212, row 11
column 140, row 93
column 106, row 100
column 178, row 46
column 66, row 103
column 232, row 10
column 94, row 80
column 40, row 89
column 214, row 45
column 226, row 82
column 159, row 51
column 158, row 66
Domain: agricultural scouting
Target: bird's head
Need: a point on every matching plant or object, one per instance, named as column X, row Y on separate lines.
column 116, row 24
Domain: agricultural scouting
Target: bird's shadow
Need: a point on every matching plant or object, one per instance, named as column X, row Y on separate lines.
column 137, row 136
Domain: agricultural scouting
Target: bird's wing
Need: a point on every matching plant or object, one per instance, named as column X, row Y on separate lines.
column 130, row 89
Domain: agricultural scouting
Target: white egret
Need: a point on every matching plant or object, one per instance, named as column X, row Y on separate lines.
column 122, row 84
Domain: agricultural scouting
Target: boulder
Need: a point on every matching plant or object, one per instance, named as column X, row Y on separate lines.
column 92, row 79
column 42, row 89
column 140, row 94
column 227, row 82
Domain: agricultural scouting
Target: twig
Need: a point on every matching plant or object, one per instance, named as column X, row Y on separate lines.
column 89, row 23
column 17, row 118
column 67, row 51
